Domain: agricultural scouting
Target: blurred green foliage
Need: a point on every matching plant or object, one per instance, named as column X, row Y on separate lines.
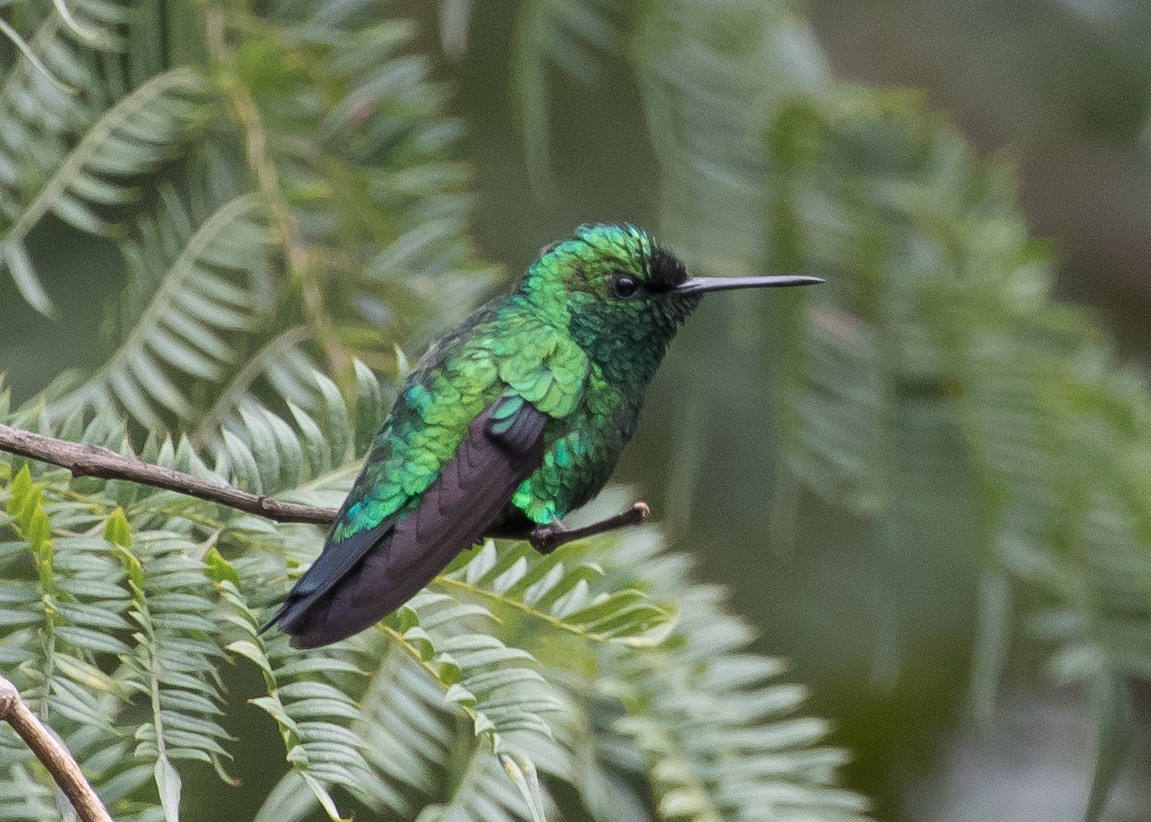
column 277, row 186
column 933, row 393
column 926, row 481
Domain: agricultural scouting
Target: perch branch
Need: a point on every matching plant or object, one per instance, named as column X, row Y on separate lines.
column 52, row 755
column 95, row 461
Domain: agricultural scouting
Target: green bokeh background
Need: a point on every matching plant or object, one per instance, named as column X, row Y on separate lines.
column 1060, row 89
column 1063, row 89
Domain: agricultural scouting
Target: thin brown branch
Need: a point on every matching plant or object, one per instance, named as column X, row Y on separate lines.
column 52, row 755
column 95, row 461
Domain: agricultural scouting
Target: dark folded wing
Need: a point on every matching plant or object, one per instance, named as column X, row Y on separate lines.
column 366, row 576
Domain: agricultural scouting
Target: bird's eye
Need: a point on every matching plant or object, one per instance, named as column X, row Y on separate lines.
column 623, row 285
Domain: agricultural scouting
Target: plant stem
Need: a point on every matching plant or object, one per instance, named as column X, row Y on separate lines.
column 52, row 755
column 96, row 461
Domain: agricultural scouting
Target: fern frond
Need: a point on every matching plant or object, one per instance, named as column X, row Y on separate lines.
column 413, row 740
column 561, row 590
column 1047, row 419
column 68, row 627
column 492, row 683
column 131, row 138
column 23, row 798
column 75, row 599
column 712, row 78
column 208, row 269
column 720, row 734
column 406, row 732
column 281, row 362
column 28, row 54
column 65, row 152
column 173, row 662
column 484, row 792
column 306, row 696
column 836, row 416
column 376, row 212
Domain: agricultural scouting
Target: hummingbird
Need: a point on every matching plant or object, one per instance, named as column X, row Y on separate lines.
column 506, row 424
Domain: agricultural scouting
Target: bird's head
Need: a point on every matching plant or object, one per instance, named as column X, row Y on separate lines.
column 621, row 294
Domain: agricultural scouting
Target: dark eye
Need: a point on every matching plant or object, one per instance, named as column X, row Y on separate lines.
column 624, row 285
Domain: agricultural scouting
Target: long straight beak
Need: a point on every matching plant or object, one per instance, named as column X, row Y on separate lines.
column 702, row 285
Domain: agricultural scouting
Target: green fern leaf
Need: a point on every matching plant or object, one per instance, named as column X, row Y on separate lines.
column 557, row 589
column 42, row 171
column 203, row 295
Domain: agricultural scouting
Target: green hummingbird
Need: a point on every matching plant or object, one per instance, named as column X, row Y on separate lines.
column 506, row 424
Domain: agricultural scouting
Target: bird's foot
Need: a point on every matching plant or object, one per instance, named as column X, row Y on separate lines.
column 546, row 538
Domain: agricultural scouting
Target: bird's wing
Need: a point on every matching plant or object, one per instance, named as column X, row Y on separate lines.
column 466, row 431
column 368, row 574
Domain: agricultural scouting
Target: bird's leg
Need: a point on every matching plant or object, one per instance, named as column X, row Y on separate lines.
column 546, row 538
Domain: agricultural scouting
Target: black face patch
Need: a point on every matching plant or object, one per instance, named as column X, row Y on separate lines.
column 664, row 271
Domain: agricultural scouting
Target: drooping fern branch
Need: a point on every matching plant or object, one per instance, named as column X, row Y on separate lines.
column 68, row 152
column 198, row 299
column 278, row 184
column 193, row 580
column 936, row 351
column 330, row 228
column 1049, row 421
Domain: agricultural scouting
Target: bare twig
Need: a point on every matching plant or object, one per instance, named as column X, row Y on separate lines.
column 52, row 755
column 95, row 461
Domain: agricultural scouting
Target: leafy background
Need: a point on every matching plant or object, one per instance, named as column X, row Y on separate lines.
column 925, row 481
